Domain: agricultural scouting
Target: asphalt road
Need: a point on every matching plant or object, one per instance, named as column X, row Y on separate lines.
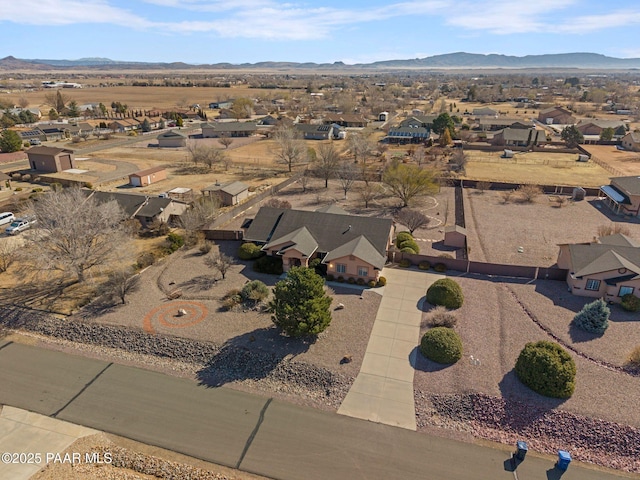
column 249, row 432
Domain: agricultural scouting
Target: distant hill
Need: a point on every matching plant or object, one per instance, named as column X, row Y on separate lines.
column 447, row 61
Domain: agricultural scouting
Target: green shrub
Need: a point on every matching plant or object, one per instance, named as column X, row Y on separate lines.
column 409, row 250
column 630, row 303
column 249, row 251
column 405, row 263
column 315, row 262
column 268, row 264
column 546, row 368
column 594, row 317
column 88, row 185
column 361, row 281
column 442, row 345
column 424, row 265
column 382, row 281
column 341, row 279
column 402, row 236
column 409, row 244
column 175, row 241
column 372, row 283
column 254, row 292
column 330, row 277
column 231, row 299
column 351, row 280
column 440, row 267
column 445, row 292
column 441, row 317
column 37, row 190
column 19, row 189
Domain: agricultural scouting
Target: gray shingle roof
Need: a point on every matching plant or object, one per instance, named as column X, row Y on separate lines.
column 172, row 134
column 629, row 185
column 359, row 247
column 332, row 208
column 329, row 230
column 300, row 240
column 231, row 126
column 592, row 258
column 231, row 188
column 48, row 150
column 153, row 207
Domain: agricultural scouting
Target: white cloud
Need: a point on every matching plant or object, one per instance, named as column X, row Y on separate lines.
column 68, row 12
column 592, row 23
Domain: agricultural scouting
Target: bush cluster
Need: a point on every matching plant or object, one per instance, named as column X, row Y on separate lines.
column 406, row 243
column 546, row 368
column 633, row 362
column 268, row 264
column 249, row 251
column 442, row 345
column 174, row 242
column 330, row 277
column 440, row 267
column 594, row 317
column 424, row 265
column 405, row 263
column 382, row 281
column 231, row 299
column 254, row 292
column 445, row 292
column 630, row 303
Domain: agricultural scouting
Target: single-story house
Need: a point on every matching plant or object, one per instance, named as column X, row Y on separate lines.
column 145, row 209
column 148, row 176
column 592, row 129
column 268, row 120
column 50, row 159
column 29, row 135
column 484, row 112
column 345, row 120
column 493, row 124
column 408, row 135
column 631, row 141
column 228, row 129
column 350, row 246
column 124, row 125
column 556, row 116
column 230, row 193
column 425, row 121
column 172, row 139
column 518, row 137
column 53, row 131
column 622, row 195
column 608, row 268
column 316, row 132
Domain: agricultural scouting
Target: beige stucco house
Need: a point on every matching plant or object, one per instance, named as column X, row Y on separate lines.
column 350, row 246
column 607, row 268
column 229, row 193
column 631, row 141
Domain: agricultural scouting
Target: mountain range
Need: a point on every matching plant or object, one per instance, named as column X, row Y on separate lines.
column 457, row 60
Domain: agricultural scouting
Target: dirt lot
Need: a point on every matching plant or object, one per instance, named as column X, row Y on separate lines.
column 627, row 163
column 496, row 230
column 494, row 328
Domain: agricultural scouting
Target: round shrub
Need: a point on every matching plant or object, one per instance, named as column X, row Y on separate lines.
column 409, row 244
column 442, row 345
column 408, row 250
column 402, row 236
column 341, row 279
column 174, row 241
column 546, row 368
column 351, row 280
column 594, row 317
column 633, row 361
column 382, row 281
column 424, row 265
column 440, row 267
column 330, row 277
column 630, row 303
column 254, row 292
column 372, row 283
column 249, row 251
column 267, row 264
column 445, row 292
column 361, row 281
column 315, row 263
column 405, row 263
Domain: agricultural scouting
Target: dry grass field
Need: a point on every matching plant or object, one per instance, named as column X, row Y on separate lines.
column 627, row 163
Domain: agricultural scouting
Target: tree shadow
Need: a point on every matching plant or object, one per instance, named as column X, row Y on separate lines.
column 251, row 356
column 40, row 294
column 199, row 283
column 97, row 308
column 522, row 406
column 580, row 336
column 423, row 364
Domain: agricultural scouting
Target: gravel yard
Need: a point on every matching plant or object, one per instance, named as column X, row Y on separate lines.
column 496, row 230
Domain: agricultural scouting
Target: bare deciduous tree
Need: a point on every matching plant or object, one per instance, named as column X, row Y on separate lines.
column 419, row 155
column 304, row 180
column 23, row 102
column 347, row 175
column 369, row 192
column 220, row 262
column 360, row 147
column 225, row 141
column 76, row 234
column 199, row 214
column 528, row 193
column 292, row 149
column 277, row 203
column 327, row 161
column 8, row 252
column 121, row 283
column 206, row 155
column 412, row 219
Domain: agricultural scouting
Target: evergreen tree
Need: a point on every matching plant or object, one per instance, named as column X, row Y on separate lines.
column 146, row 125
column 594, row 317
column 179, row 121
column 572, row 136
column 10, row 141
column 300, row 306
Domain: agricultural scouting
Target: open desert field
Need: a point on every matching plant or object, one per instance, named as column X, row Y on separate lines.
column 627, row 163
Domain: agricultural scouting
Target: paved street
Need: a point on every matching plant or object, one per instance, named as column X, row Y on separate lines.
column 253, row 433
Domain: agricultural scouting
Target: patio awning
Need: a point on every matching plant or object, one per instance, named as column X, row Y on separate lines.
column 614, row 194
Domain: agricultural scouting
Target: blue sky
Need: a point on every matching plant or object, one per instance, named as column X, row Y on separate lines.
column 353, row 31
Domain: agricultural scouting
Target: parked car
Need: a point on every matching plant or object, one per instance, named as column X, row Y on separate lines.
column 35, row 141
column 19, row 225
column 6, row 217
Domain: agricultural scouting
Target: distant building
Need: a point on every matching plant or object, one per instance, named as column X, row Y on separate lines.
column 50, row 159
column 148, row 176
column 230, row 193
column 172, row 139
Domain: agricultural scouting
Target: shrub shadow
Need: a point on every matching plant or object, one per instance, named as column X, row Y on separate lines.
column 526, row 405
column 423, row 364
column 580, row 336
column 251, row 356
column 199, row 283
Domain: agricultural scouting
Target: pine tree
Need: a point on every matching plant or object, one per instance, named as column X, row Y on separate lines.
column 594, row 317
column 300, row 306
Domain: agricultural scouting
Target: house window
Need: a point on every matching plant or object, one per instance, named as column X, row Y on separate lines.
column 341, row 268
column 363, row 272
column 593, row 285
column 625, row 290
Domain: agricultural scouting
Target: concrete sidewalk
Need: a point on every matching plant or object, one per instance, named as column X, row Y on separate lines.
column 383, row 390
column 36, row 436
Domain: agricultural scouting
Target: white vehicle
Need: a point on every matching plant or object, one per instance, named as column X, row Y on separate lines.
column 6, row 217
column 19, row 225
